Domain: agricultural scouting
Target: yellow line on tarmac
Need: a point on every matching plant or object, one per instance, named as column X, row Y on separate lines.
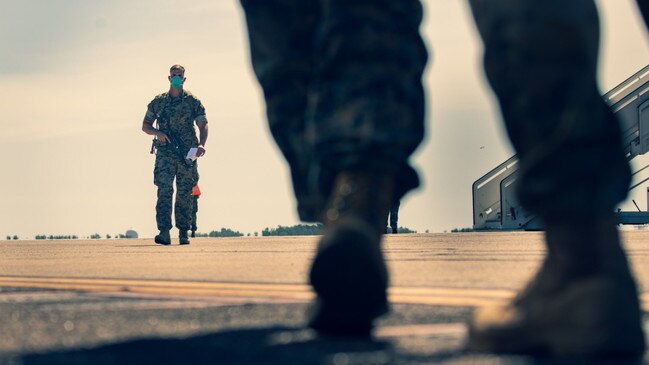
column 432, row 329
column 284, row 291
column 150, row 283
column 449, row 296
column 297, row 292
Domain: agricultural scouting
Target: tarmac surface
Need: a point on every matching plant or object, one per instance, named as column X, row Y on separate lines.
column 244, row 300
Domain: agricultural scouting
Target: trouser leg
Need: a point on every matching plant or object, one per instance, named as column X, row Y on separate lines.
column 367, row 110
column 163, row 177
column 194, row 213
column 281, row 35
column 355, row 97
column 195, row 200
column 185, row 180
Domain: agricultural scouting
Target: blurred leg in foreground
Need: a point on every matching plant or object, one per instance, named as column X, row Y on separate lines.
column 541, row 61
column 345, row 104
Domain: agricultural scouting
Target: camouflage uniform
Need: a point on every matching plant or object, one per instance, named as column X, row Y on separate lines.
column 340, row 97
column 176, row 117
column 342, row 86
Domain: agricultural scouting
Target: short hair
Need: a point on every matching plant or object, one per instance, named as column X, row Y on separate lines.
column 177, row 67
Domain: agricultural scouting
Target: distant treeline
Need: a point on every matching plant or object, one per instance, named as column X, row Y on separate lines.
column 405, row 230
column 297, row 230
column 224, row 232
column 456, row 230
column 95, row 236
column 52, row 237
column 308, row 230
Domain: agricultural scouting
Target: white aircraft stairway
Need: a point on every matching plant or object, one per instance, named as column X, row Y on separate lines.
column 495, row 206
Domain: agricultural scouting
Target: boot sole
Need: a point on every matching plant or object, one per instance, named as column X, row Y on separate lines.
column 350, row 278
column 161, row 242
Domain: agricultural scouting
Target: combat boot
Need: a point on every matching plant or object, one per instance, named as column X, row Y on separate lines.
column 183, row 239
column 582, row 303
column 349, row 274
column 163, row 237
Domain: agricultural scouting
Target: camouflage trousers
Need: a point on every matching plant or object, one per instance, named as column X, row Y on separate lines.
column 541, row 61
column 169, row 167
column 343, row 90
column 194, row 212
column 342, row 82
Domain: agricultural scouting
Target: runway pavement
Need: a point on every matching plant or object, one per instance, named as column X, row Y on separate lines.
column 244, row 300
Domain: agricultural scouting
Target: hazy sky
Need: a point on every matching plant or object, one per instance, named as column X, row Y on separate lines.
column 77, row 76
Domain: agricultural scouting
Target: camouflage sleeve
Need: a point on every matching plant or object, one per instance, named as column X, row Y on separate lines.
column 150, row 113
column 199, row 112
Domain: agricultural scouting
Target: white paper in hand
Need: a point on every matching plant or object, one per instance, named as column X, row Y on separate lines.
column 191, row 154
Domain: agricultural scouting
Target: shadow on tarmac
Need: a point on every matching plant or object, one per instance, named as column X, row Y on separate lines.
column 274, row 346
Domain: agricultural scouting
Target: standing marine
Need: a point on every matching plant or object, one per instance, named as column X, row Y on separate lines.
column 175, row 112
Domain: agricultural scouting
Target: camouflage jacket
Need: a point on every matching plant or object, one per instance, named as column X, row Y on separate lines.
column 176, row 116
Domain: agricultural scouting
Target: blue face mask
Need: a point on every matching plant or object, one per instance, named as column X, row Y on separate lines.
column 176, row 82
